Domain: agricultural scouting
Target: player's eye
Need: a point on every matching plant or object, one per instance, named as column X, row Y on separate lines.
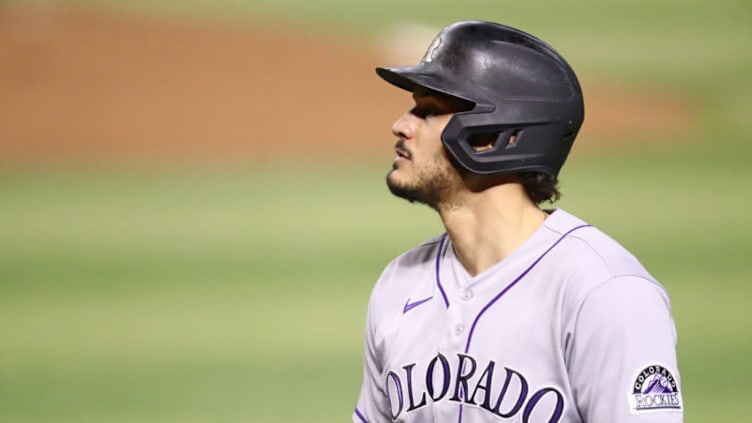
column 427, row 110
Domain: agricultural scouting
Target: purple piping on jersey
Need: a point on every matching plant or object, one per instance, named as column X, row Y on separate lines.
column 438, row 266
column 514, row 282
column 508, row 287
column 360, row 415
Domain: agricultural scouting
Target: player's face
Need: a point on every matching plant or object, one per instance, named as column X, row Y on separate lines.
column 422, row 171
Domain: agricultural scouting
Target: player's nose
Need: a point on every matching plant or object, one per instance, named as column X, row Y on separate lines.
column 404, row 127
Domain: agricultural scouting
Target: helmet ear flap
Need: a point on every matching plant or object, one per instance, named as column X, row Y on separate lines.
column 478, row 141
column 482, row 145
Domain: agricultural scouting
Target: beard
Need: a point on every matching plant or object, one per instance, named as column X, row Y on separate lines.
column 434, row 185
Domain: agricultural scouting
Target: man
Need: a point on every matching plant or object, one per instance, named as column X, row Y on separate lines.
column 516, row 313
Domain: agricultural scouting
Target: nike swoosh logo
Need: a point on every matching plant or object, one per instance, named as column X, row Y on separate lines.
column 409, row 306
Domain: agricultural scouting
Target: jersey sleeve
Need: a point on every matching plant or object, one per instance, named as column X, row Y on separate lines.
column 372, row 406
column 622, row 362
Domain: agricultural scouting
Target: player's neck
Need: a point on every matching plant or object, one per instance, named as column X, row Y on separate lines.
column 488, row 226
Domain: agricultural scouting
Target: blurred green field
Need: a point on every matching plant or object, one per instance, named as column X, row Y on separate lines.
column 237, row 292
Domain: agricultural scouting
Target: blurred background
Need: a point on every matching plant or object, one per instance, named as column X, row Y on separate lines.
column 193, row 212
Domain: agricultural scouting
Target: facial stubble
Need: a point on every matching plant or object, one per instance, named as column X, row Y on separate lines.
column 434, row 185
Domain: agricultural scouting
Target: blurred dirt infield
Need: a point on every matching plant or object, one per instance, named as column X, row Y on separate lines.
column 89, row 86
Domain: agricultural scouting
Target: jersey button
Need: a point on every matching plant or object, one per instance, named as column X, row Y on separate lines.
column 466, row 295
column 459, row 329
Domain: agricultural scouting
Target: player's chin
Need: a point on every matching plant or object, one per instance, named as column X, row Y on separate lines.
column 395, row 179
column 398, row 176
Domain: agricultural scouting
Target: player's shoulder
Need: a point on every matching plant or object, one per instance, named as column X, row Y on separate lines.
column 590, row 253
column 592, row 265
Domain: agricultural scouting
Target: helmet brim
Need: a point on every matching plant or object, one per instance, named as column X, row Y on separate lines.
column 411, row 77
column 405, row 77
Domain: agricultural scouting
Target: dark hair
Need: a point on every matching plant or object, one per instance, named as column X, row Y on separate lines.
column 540, row 187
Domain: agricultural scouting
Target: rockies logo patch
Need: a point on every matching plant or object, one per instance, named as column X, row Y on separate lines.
column 654, row 389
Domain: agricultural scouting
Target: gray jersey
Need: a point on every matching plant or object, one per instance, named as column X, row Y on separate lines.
column 568, row 328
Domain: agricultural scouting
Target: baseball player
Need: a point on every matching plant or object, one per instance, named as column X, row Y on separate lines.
column 515, row 313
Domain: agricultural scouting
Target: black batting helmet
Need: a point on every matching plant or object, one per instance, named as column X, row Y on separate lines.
column 525, row 95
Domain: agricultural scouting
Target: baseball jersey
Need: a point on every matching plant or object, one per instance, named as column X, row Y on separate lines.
column 568, row 328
